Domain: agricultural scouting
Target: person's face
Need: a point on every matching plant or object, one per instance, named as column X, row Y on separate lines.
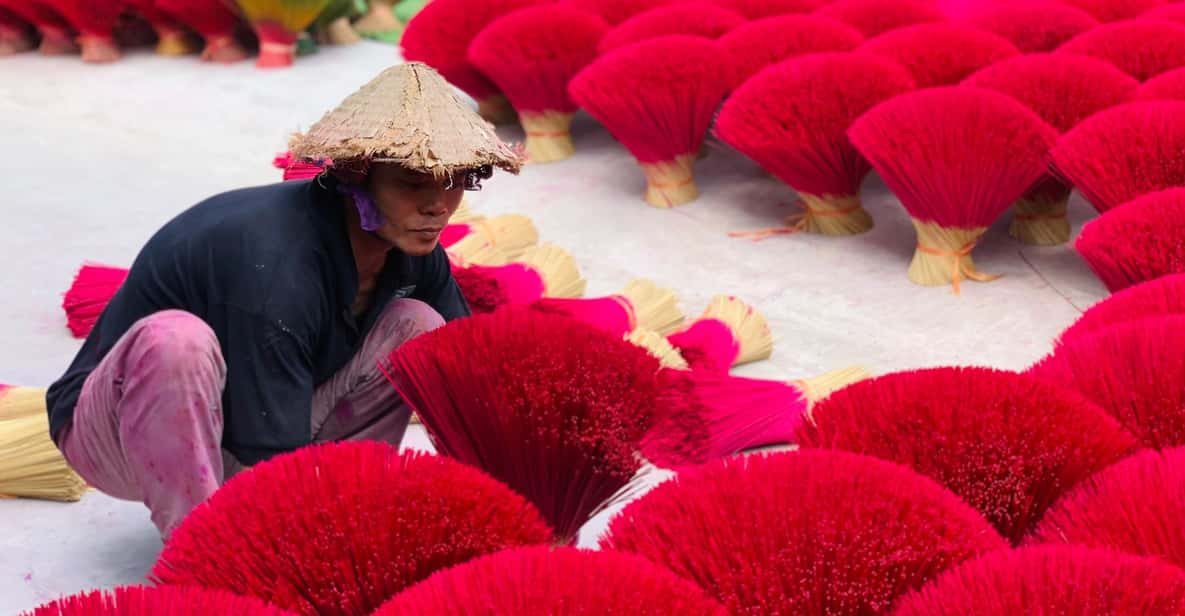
column 415, row 207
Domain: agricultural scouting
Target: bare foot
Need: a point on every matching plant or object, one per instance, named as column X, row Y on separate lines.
column 98, row 50
column 224, row 51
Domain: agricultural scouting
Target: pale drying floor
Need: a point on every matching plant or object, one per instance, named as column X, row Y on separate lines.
column 97, row 158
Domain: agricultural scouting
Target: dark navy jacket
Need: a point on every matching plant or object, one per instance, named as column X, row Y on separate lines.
column 270, row 269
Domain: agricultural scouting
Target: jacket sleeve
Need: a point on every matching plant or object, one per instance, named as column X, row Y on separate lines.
column 439, row 289
column 269, row 386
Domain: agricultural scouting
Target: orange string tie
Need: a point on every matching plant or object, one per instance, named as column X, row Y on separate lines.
column 795, row 223
column 558, row 133
column 683, row 182
column 956, row 260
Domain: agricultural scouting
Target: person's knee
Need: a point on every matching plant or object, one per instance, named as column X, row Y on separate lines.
column 175, row 339
column 410, row 318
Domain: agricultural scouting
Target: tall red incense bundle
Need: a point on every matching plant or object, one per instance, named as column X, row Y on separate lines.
column 31, row 466
column 803, row 532
column 93, row 287
column 278, row 23
column 1172, row 12
column 439, row 36
column 1051, row 580
column 57, row 36
column 873, row 17
column 657, row 97
column 792, row 119
column 1142, row 48
column 149, row 601
column 691, row 18
column 558, row 417
column 940, row 54
column 551, row 581
column 531, row 55
column 1165, row 86
column 1121, row 153
column 1033, row 25
column 616, row 11
column 295, row 169
column 758, row 44
column 1133, row 371
column 1115, row 10
column 95, row 21
column 1163, row 296
column 509, row 234
column 760, row 9
column 1138, row 241
column 172, row 37
column 359, row 523
column 729, row 333
column 641, row 304
column 543, row 271
column 956, row 157
column 1008, row 444
column 709, row 415
column 1063, row 89
column 1136, row 506
column 215, row 21
column 16, row 34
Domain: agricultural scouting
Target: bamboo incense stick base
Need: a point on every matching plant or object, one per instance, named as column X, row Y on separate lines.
column 834, row 214
column 276, row 55
column 98, row 50
column 943, row 255
column 497, row 110
column 14, row 41
column 223, row 50
column 657, row 345
column 340, row 32
column 1041, row 222
column 549, row 136
column 671, row 184
column 379, row 18
column 56, row 42
column 175, row 43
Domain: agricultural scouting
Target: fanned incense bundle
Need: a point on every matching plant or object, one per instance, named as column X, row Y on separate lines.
column 558, row 419
column 215, row 21
column 1051, row 580
column 359, row 522
column 1136, row 506
column 729, row 333
column 753, row 46
column 792, row 119
column 1133, row 371
column 15, row 33
column 616, row 11
column 93, row 287
column 657, row 97
column 940, row 54
column 56, row 33
column 542, row 271
column 1115, row 10
column 690, row 18
column 1138, row 241
column 1123, row 152
column 874, row 17
column 1063, row 89
column 531, row 55
column 95, row 21
column 760, row 9
column 641, row 304
column 1008, row 444
column 554, row 582
column 30, row 464
column 278, row 23
column 439, row 36
column 803, row 532
column 1163, row 296
column 1142, row 48
column 158, row 601
column 708, row 415
column 1165, row 86
column 1033, row 25
column 509, row 234
column 956, row 157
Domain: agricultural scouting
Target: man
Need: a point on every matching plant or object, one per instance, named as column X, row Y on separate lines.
column 254, row 323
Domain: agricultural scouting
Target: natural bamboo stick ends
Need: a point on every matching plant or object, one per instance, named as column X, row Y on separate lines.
column 549, row 136
column 56, row 42
column 379, row 18
column 340, row 32
column 97, row 50
column 943, row 256
column 834, row 214
column 224, row 50
column 672, row 183
column 175, row 43
column 657, row 345
column 496, row 109
column 1041, row 222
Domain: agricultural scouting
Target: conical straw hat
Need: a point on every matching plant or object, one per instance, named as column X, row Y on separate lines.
column 407, row 115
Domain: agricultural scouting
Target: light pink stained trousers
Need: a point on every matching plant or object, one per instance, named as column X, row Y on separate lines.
column 148, row 424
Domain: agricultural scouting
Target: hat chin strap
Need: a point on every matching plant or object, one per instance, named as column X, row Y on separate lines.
column 368, row 212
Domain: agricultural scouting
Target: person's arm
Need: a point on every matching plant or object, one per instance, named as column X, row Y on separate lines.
column 269, row 386
column 439, row 289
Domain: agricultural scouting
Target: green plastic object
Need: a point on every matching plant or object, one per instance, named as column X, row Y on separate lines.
column 305, row 45
column 407, row 9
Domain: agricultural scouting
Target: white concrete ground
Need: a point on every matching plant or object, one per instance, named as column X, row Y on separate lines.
column 96, row 158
